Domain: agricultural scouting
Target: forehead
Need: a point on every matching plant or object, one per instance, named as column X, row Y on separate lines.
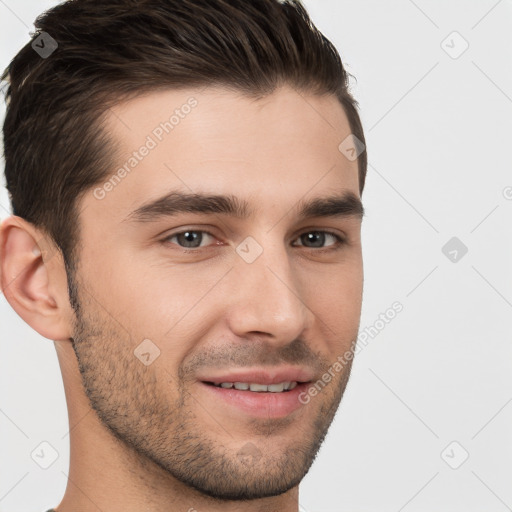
column 278, row 148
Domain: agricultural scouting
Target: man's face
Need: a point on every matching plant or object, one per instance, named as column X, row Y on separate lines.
column 173, row 302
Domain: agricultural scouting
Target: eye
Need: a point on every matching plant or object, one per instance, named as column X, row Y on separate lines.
column 318, row 238
column 189, row 239
column 192, row 239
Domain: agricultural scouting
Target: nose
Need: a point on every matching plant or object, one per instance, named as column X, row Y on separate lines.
column 268, row 298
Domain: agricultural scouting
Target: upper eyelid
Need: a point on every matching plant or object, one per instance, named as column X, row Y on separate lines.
column 166, row 237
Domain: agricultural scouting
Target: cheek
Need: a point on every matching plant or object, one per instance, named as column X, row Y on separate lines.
column 171, row 307
column 337, row 301
column 340, row 313
column 336, row 288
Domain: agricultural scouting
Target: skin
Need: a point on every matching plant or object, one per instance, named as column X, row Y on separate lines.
column 148, row 437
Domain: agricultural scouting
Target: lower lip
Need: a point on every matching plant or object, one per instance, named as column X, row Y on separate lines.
column 260, row 404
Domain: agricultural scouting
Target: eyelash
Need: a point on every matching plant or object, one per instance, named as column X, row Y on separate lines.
column 340, row 241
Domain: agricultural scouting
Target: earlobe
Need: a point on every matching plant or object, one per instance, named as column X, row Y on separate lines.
column 31, row 278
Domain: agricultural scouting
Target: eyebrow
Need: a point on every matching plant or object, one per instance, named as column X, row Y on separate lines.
column 173, row 203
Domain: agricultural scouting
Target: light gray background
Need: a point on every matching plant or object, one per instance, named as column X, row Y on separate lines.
column 438, row 135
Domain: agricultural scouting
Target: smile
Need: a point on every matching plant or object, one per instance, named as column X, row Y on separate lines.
column 260, row 388
column 257, row 400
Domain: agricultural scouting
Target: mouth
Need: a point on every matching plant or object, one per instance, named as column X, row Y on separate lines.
column 280, row 387
column 256, row 399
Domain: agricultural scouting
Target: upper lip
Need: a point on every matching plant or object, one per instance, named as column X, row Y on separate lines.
column 262, row 376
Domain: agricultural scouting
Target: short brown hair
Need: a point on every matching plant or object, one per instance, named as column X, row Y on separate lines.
column 54, row 145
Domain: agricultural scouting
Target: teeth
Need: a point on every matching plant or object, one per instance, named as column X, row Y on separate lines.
column 276, row 388
column 272, row 388
column 259, row 387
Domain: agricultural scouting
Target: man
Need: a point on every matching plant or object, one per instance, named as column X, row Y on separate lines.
column 186, row 180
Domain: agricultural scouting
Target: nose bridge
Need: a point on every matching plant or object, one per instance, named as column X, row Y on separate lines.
column 268, row 297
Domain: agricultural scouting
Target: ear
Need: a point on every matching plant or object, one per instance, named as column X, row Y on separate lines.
column 33, row 278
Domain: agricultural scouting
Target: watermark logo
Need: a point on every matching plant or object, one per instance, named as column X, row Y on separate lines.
column 146, row 352
column 44, row 45
column 351, row 147
column 454, row 45
column 249, row 454
column 454, row 249
column 249, row 249
column 455, row 455
column 44, row 455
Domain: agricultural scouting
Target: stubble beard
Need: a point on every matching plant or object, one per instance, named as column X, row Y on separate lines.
column 162, row 435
